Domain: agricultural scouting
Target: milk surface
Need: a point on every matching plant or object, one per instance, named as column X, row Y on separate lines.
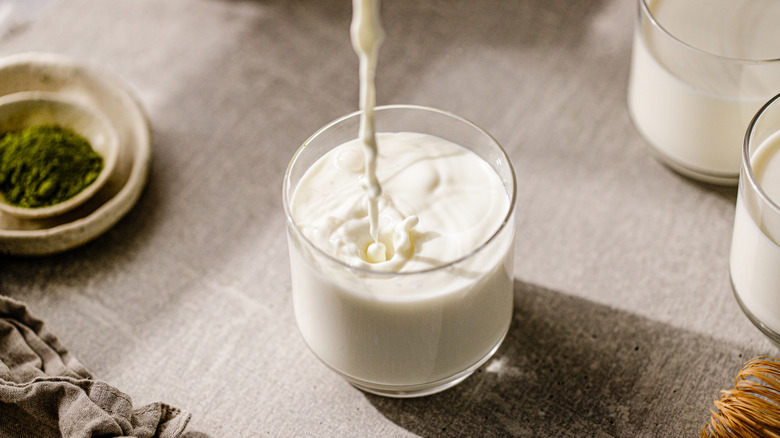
column 693, row 112
column 755, row 254
column 440, row 202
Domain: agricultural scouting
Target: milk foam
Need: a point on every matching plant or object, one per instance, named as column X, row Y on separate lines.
column 440, row 202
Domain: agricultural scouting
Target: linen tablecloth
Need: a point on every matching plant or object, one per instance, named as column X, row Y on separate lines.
column 46, row 392
column 624, row 320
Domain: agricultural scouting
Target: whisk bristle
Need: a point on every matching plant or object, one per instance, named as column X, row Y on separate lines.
column 752, row 408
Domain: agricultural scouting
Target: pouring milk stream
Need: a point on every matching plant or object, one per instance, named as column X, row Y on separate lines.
column 367, row 35
column 410, row 320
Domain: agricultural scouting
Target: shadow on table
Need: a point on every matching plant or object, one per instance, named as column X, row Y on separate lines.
column 194, row 434
column 570, row 367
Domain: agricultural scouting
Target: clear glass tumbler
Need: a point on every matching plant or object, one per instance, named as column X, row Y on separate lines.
column 755, row 247
column 404, row 334
column 700, row 69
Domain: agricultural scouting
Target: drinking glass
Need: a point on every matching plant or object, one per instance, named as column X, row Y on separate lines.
column 403, row 334
column 755, row 246
column 700, row 69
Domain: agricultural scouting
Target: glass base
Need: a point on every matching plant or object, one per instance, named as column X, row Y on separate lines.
column 768, row 332
column 418, row 390
column 717, row 178
column 698, row 174
column 721, row 180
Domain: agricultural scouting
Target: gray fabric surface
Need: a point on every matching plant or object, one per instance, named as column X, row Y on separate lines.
column 46, row 392
column 624, row 320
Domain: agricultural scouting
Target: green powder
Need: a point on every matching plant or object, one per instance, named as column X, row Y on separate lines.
column 44, row 165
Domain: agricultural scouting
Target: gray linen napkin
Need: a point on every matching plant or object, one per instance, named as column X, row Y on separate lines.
column 46, row 392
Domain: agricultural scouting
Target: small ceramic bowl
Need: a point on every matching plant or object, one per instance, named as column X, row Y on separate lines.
column 25, row 109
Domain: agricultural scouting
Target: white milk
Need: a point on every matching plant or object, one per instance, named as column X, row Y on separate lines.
column 439, row 203
column 755, row 254
column 697, row 122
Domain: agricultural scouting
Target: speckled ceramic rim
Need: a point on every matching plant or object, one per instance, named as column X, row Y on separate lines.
column 286, row 191
column 77, row 232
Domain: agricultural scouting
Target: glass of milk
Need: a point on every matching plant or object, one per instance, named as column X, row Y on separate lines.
column 404, row 333
column 700, row 70
column 755, row 246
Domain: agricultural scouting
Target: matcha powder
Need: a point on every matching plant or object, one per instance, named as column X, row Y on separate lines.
column 44, row 165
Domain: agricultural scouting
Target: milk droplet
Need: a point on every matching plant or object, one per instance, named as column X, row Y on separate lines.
column 350, row 159
column 376, row 252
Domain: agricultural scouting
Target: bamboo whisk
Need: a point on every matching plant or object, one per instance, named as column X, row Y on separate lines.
column 752, row 408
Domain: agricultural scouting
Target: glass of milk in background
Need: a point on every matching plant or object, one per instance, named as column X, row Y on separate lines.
column 700, row 70
column 755, row 246
column 408, row 333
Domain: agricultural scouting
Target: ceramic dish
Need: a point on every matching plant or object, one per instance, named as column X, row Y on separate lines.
column 30, row 108
column 92, row 88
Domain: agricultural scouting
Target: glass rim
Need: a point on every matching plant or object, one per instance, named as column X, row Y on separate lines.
column 376, row 273
column 747, row 165
column 645, row 10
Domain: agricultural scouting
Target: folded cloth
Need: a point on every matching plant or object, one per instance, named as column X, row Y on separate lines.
column 46, row 392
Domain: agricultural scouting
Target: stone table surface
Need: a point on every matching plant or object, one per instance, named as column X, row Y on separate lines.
column 624, row 319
